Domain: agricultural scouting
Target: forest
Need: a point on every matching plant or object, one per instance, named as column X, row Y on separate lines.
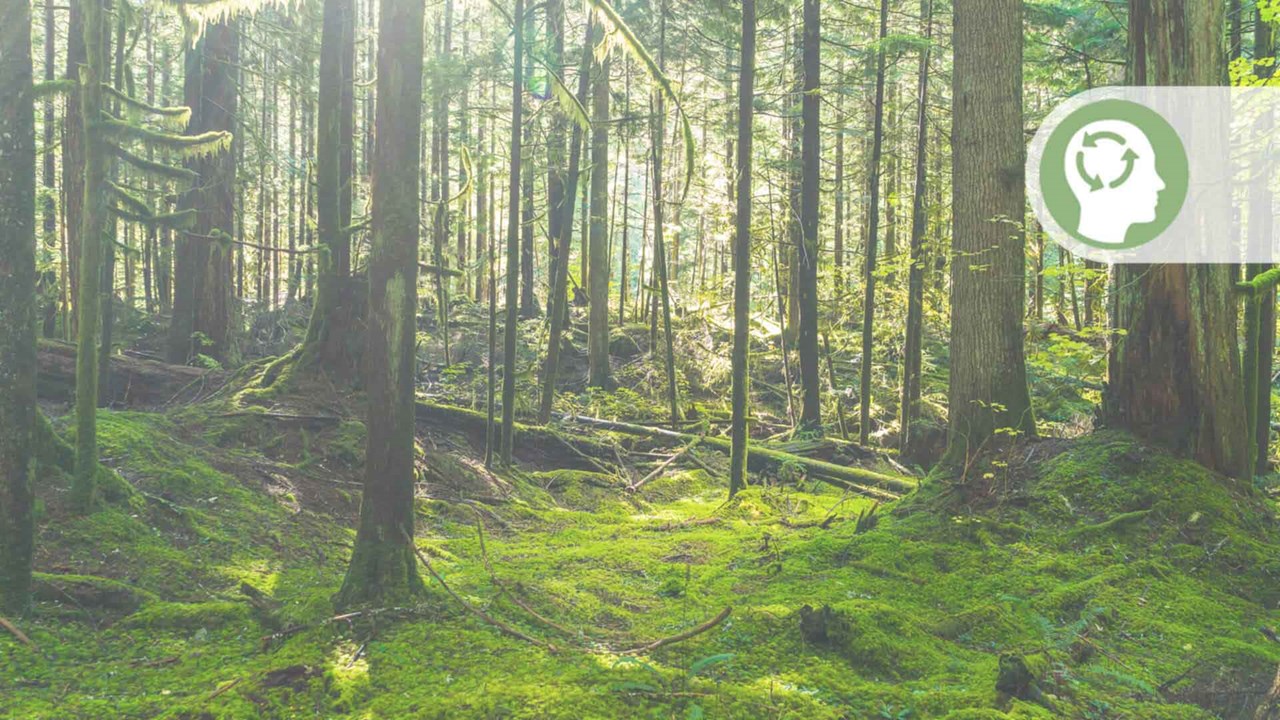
column 615, row 359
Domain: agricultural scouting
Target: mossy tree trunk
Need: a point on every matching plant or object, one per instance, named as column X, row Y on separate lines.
column 17, row 304
column 1175, row 376
column 810, row 196
column 598, row 374
column 73, row 149
column 742, row 253
column 383, row 568
column 988, row 389
column 93, row 237
column 332, row 342
column 1263, row 348
column 202, row 282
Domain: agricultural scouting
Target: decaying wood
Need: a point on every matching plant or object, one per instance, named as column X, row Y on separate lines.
column 13, row 630
column 858, row 480
column 136, row 382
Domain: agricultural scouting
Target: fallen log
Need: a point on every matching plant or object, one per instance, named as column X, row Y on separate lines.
column 760, row 457
column 134, row 381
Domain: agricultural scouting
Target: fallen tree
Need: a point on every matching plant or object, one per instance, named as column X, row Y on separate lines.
column 762, row 457
column 134, row 381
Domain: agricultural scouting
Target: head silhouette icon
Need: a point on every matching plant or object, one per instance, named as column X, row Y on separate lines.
column 1111, row 170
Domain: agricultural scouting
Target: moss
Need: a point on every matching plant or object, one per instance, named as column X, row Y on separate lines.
column 189, row 616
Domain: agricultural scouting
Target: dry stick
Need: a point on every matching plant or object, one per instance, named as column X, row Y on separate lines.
column 513, row 632
column 4, row 623
column 223, row 689
column 665, row 464
column 692, row 632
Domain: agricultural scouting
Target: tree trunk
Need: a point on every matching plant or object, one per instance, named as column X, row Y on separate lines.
column 73, row 157
column 557, row 307
column 383, row 569
column 807, row 251
column 48, row 285
column 513, row 244
column 202, row 303
column 93, row 236
column 742, row 253
column 873, row 228
column 598, row 374
column 912, row 353
column 988, row 389
column 17, row 305
column 659, row 246
column 333, row 341
column 1175, row 376
column 1259, row 203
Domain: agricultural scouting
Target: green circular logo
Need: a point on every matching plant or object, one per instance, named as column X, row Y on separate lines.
column 1114, row 174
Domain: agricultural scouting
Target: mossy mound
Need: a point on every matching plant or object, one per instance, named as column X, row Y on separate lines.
column 1128, row 583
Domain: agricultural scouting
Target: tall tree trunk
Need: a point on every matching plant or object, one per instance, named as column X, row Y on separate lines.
column 1175, row 376
column 332, row 340
column 598, row 374
column 988, row 389
column 513, row 244
column 93, row 236
column 48, row 285
column 659, row 245
column 807, row 250
column 555, row 154
column 1260, row 200
column 18, row 304
column 202, row 307
column 557, row 308
column 742, row 253
column 912, row 354
column 873, row 228
column 383, row 568
column 73, row 165
column 106, row 344
column 837, row 248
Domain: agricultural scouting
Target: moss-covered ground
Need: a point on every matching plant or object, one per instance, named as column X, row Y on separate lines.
column 1130, row 584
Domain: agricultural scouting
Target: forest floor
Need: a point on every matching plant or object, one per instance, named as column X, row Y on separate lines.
column 1127, row 583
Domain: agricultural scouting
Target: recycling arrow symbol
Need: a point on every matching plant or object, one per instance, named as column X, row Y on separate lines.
column 1095, row 182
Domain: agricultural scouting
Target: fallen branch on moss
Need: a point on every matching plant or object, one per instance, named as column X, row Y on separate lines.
column 1111, row 523
column 858, row 480
column 502, row 626
column 671, row 640
column 13, row 630
column 132, row 381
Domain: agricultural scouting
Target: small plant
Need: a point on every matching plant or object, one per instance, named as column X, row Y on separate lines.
column 673, row 689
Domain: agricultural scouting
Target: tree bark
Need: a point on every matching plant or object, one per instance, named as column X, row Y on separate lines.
column 383, row 569
column 513, row 244
column 912, row 353
column 988, row 388
column 17, row 305
column 873, row 228
column 807, row 250
column 598, row 374
column 202, row 303
column 742, row 253
column 1175, row 376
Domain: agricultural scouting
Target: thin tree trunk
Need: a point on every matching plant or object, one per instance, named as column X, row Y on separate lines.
column 807, row 251
column 513, row 244
column 873, row 223
column 659, row 248
column 912, row 354
column 598, row 374
column 742, row 254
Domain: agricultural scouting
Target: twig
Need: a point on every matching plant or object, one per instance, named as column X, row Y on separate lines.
column 223, row 689
column 665, row 464
column 513, row 632
column 4, row 622
column 681, row 637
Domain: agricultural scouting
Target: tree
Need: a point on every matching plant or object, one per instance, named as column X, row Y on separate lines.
column 17, row 304
column 598, row 374
column 988, row 387
column 659, row 203
column 1174, row 376
column 336, row 312
column 383, row 567
column 557, row 305
column 912, row 354
column 513, row 244
column 807, row 251
column 873, row 228
column 742, row 252
column 202, row 299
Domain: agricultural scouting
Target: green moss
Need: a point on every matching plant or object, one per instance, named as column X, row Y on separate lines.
column 189, row 616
